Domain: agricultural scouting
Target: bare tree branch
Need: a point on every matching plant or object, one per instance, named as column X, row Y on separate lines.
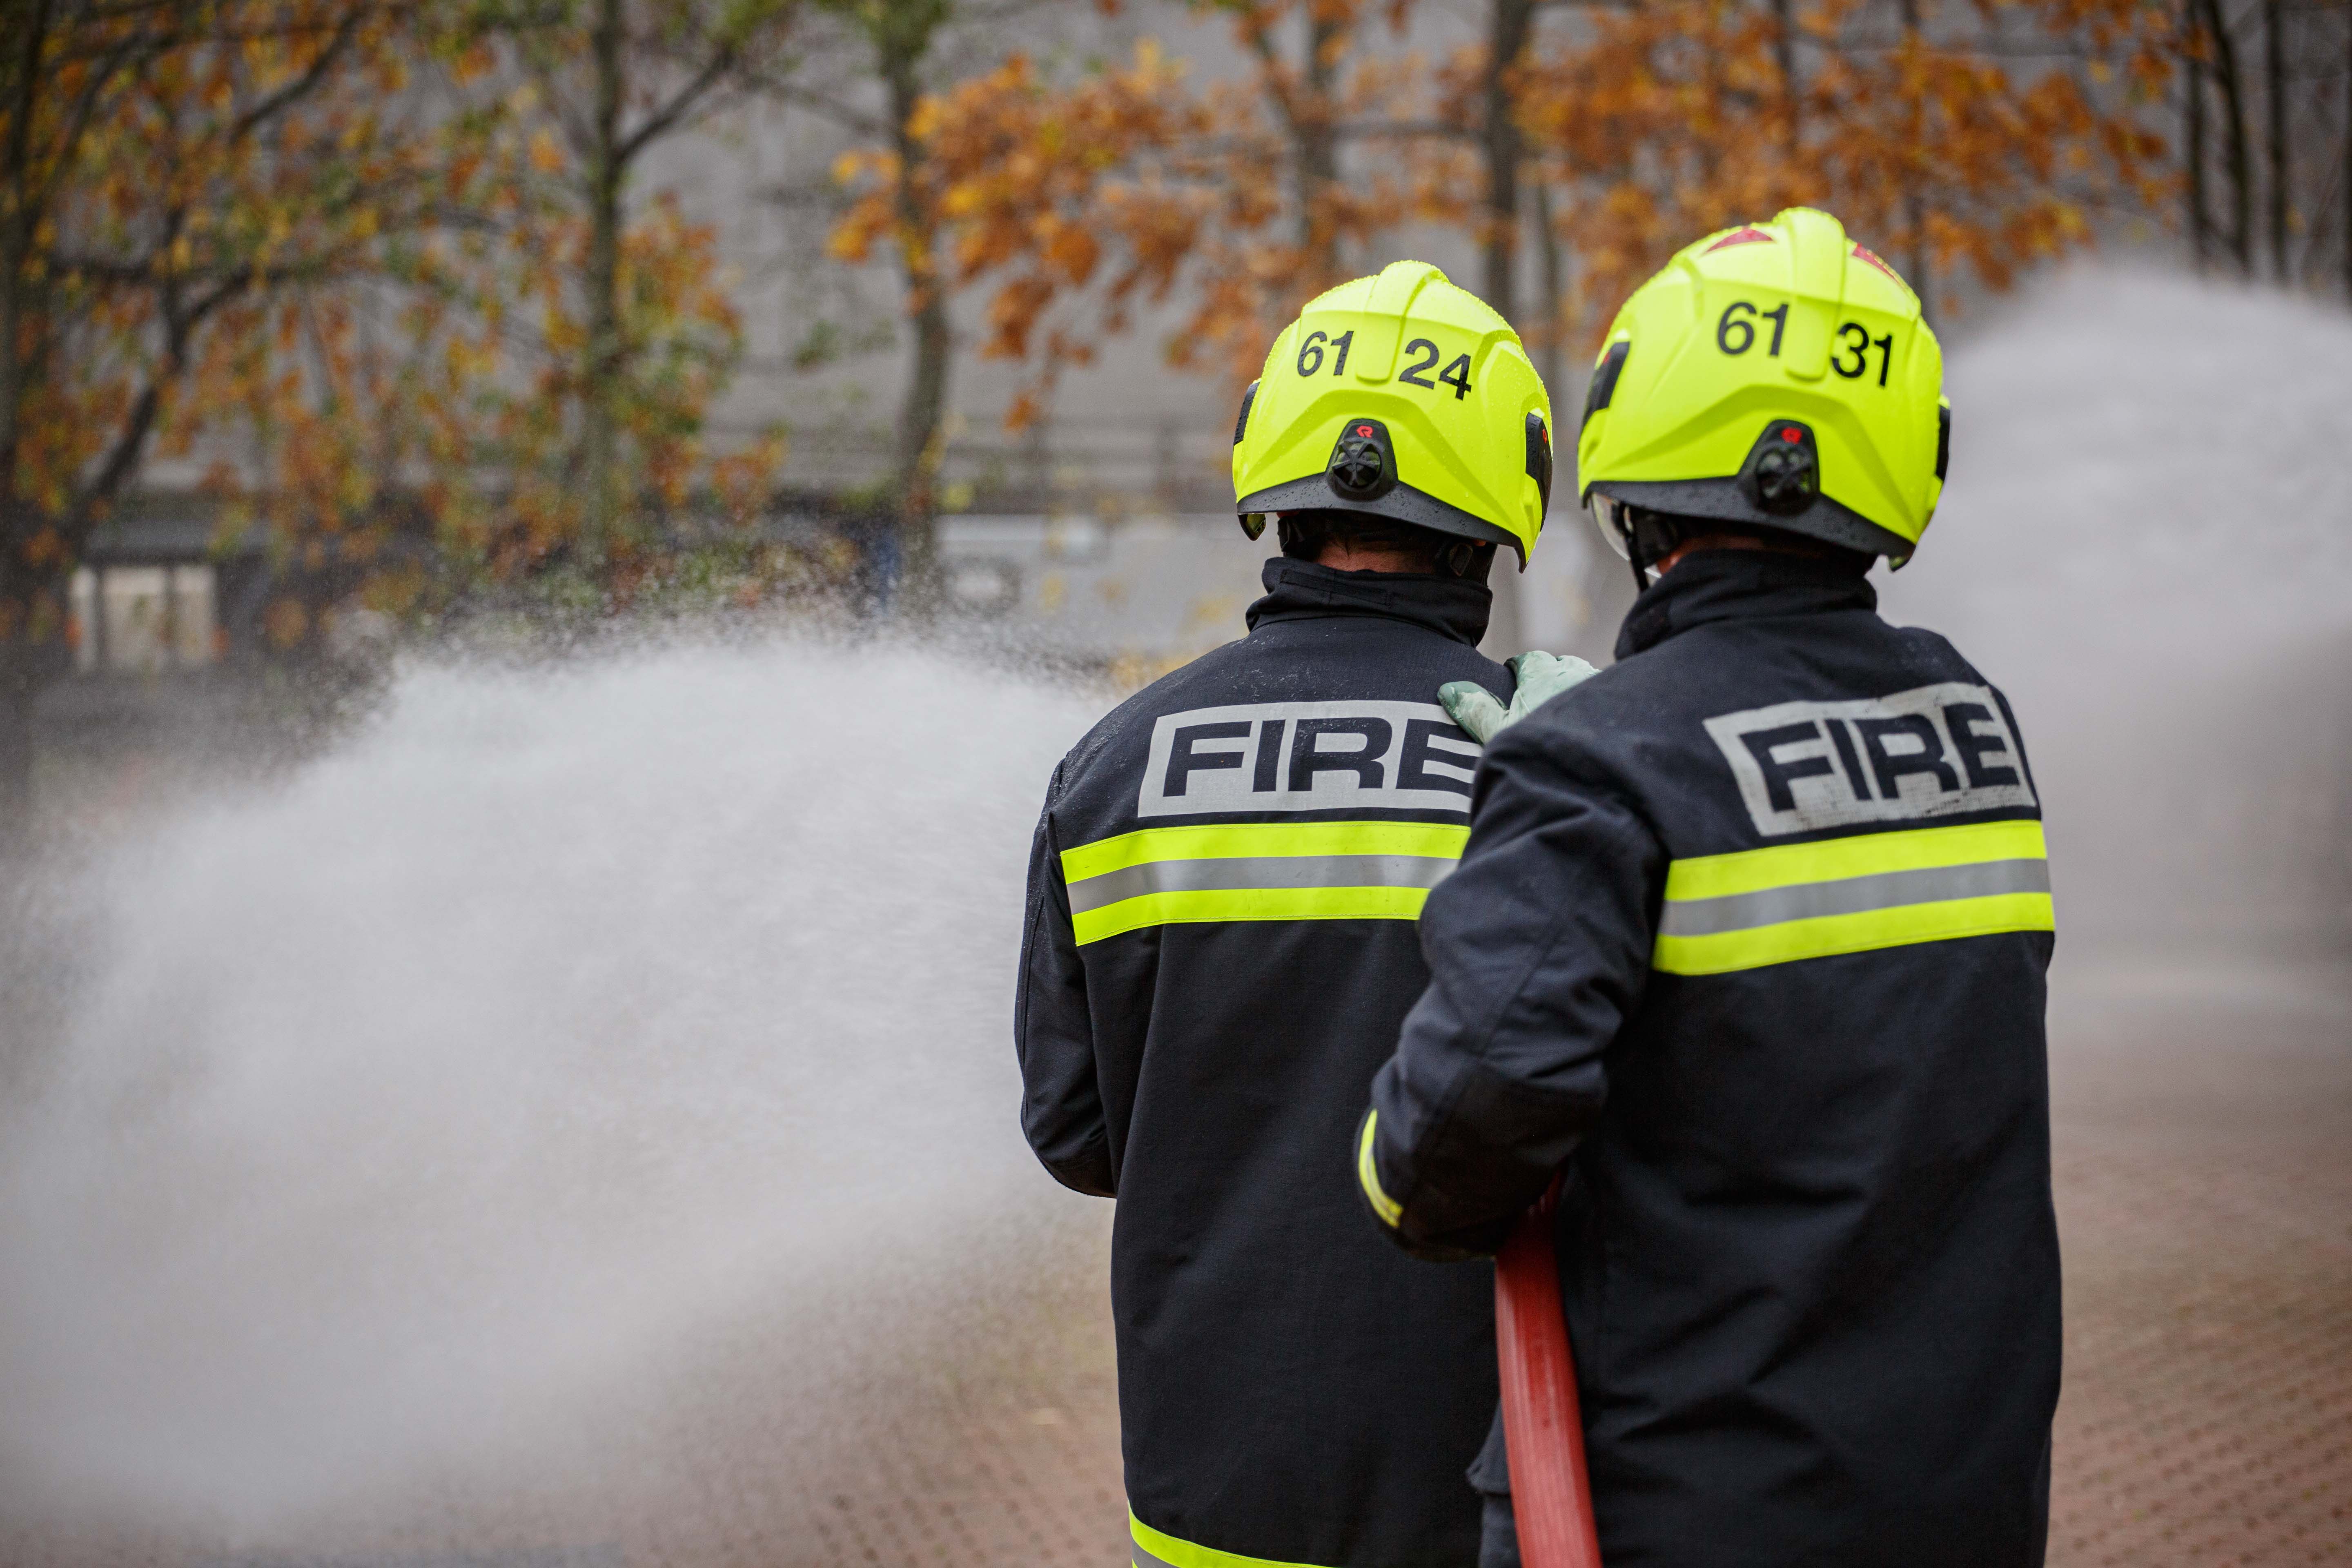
column 301, row 86
column 846, row 115
column 664, row 119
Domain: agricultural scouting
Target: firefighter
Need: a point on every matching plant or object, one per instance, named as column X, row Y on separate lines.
column 1750, row 937
column 1218, row 951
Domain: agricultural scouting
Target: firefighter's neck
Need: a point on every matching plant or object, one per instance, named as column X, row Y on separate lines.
column 1344, row 555
column 1689, row 547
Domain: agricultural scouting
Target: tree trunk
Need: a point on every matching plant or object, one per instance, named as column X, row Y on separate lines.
column 1504, row 148
column 923, row 414
column 20, row 685
column 1318, row 145
column 1915, row 210
column 17, row 227
column 26, row 40
column 32, row 654
column 2200, row 223
column 2274, row 91
column 2345, row 195
column 1784, row 54
column 600, row 442
column 16, row 802
column 1548, row 280
column 2234, row 153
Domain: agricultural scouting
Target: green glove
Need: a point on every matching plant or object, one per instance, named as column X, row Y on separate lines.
column 1540, row 675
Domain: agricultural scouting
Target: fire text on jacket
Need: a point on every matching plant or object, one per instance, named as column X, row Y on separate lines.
column 1308, row 756
column 1934, row 751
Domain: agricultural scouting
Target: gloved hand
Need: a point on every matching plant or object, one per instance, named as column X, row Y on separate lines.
column 1540, row 675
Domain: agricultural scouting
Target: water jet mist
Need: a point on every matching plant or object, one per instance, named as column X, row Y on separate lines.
column 437, row 1103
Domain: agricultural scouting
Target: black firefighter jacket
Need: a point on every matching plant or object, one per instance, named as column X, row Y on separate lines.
column 1751, row 932
column 1219, row 953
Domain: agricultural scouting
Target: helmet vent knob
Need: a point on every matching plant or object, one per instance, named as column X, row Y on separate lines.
column 1361, row 466
column 1782, row 476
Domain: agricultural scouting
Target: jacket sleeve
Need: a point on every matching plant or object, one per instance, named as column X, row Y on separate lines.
column 1061, row 1103
column 1538, row 947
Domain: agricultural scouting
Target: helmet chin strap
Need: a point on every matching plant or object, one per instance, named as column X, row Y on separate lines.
column 1630, row 523
column 1652, row 538
column 1467, row 559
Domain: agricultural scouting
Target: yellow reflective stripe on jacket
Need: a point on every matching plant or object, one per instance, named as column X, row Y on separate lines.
column 1258, row 871
column 1368, row 1173
column 1157, row 1549
column 1743, row 910
column 1224, row 840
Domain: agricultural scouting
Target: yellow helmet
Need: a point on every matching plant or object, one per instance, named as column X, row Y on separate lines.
column 1775, row 373
column 1403, row 397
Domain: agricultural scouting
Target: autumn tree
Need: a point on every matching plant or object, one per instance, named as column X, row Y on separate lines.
column 1989, row 135
column 165, row 167
column 889, row 45
column 1073, row 199
column 379, row 271
column 1075, row 203
column 2265, row 103
column 891, row 67
column 602, row 326
column 1986, row 138
column 520, row 384
column 1474, row 158
column 1299, row 154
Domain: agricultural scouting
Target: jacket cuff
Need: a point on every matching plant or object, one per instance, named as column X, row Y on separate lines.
column 1389, row 1215
column 1088, row 1171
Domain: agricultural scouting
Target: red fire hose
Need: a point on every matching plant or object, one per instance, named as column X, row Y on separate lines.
column 1551, row 1497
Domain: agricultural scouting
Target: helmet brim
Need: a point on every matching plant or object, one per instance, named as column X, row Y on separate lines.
column 1402, row 503
column 1724, row 501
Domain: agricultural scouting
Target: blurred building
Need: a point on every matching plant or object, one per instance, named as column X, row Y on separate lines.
column 1139, row 595
column 158, row 592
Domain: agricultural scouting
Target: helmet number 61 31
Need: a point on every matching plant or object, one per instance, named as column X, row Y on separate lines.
column 1735, row 334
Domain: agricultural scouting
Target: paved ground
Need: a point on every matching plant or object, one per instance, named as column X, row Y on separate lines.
column 2204, row 1168
column 2205, row 1192
column 2203, row 1145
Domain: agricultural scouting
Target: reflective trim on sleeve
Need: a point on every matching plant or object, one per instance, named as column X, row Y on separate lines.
column 1158, row 1549
column 1367, row 1172
column 1758, row 906
column 1256, row 871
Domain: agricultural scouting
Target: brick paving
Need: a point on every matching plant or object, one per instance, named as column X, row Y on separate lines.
column 2204, row 1138
column 2204, row 1179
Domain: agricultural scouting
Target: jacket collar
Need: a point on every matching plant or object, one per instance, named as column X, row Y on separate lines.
column 1300, row 590
column 1735, row 584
